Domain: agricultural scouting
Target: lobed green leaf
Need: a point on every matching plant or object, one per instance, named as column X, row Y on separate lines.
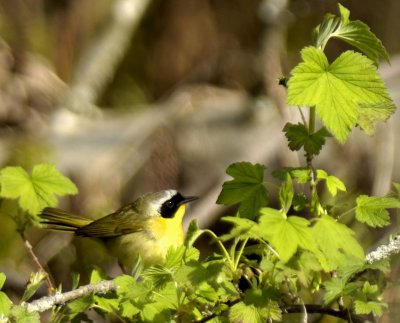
column 286, row 234
column 299, row 137
column 336, row 241
column 36, row 191
column 341, row 92
column 301, row 175
column 362, row 307
column 332, row 182
column 337, row 287
column 21, row 315
column 372, row 210
column 246, row 188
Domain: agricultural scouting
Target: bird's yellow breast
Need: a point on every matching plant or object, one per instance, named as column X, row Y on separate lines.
column 151, row 244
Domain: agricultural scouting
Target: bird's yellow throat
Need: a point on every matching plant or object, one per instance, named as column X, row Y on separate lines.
column 169, row 231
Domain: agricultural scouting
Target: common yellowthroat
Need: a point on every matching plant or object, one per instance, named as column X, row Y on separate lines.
column 148, row 227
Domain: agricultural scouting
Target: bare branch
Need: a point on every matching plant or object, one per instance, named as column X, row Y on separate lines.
column 384, row 251
column 47, row 302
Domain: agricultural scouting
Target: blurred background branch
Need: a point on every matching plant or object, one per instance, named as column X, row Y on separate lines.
column 100, row 60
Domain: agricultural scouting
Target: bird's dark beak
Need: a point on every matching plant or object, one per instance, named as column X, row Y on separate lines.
column 187, row 199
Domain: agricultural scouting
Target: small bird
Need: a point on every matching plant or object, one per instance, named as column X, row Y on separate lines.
column 148, row 227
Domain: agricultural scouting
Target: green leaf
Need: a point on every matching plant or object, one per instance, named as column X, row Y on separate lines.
column 167, row 297
column 324, row 30
column 36, row 191
column 219, row 319
column 373, row 113
column 332, row 182
column 80, row 305
column 397, row 188
column 301, row 175
column 382, row 265
column 372, row 209
column 257, row 306
column 336, row 241
column 21, row 315
column 285, row 234
column 158, row 275
column 76, row 277
column 242, row 229
column 286, row 194
column 337, row 287
column 5, row 304
column 340, row 91
column 359, row 35
column 156, row 312
column 129, row 288
column 174, row 256
column 246, row 188
column 355, row 33
column 241, row 312
column 300, row 201
column 128, row 309
column 2, row 279
column 108, row 304
column 299, row 137
column 362, row 307
column 96, row 276
column 35, row 281
column 193, row 232
column 369, row 289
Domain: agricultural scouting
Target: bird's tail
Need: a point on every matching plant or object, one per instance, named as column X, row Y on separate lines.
column 56, row 219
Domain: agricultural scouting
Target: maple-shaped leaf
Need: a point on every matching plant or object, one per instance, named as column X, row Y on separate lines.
column 36, row 191
column 299, row 137
column 246, row 188
column 341, row 92
column 372, row 210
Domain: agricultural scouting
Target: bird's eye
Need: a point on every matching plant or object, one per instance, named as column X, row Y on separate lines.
column 170, row 204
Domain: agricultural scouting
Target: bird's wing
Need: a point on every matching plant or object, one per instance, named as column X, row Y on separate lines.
column 58, row 219
column 125, row 220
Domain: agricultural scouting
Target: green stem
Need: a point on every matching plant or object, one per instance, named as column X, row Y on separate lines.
column 222, row 247
column 240, row 252
column 346, row 212
column 303, row 118
column 309, row 159
column 311, row 120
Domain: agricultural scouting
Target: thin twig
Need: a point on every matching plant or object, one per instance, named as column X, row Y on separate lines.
column 35, row 259
column 47, row 302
